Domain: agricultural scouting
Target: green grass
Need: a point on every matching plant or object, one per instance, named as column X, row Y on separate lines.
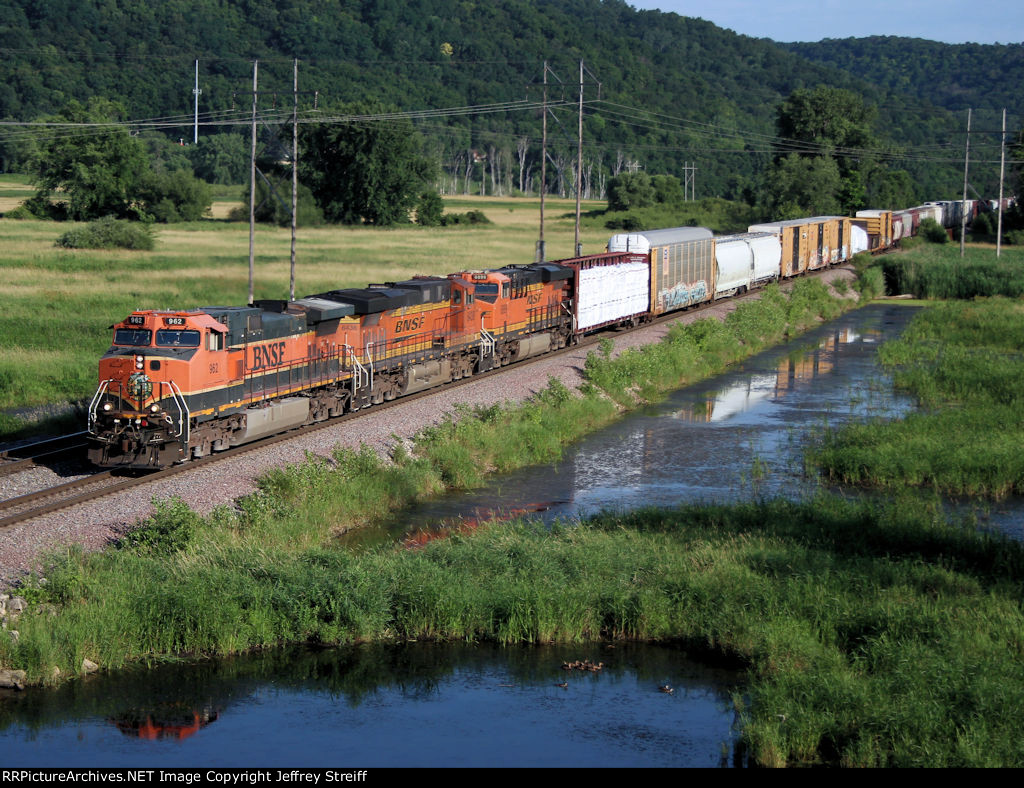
column 873, row 636
column 937, row 271
column 963, row 363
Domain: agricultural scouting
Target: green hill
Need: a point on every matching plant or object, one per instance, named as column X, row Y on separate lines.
column 672, row 89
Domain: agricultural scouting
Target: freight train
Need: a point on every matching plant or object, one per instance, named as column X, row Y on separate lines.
column 177, row 385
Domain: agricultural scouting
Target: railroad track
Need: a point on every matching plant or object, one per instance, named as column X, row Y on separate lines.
column 97, row 485
column 50, row 450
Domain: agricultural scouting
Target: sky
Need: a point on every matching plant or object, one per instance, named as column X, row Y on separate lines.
column 949, row 21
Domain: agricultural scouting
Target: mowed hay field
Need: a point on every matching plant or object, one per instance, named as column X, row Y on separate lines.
column 59, row 304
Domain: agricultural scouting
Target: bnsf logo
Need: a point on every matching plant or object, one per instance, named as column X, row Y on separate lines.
column 408, row 324
column 264, row 356
column 534, row 298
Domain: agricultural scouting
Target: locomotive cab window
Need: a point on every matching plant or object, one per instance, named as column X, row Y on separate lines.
column 214, row 340
column 506, row 288
column 457, row 297
column 487, row 291
column 137, row 337
column 173, row 338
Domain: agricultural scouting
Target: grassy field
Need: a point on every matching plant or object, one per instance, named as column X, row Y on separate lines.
column 59, row 303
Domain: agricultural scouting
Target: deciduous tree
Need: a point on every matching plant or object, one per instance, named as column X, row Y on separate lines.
column 91, row 170
column 362, row 169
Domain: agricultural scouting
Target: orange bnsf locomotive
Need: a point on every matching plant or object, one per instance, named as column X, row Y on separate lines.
column 178, row 385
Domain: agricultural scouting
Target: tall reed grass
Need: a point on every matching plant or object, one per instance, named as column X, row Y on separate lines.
column 938, row 271
column 963, row 363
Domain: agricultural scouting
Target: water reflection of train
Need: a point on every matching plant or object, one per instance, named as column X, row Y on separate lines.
column 170, row 721
column 790, row 373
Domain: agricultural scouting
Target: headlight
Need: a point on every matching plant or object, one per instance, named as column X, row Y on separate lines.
column 154, row 408
column 107, row 406
column 139, row 362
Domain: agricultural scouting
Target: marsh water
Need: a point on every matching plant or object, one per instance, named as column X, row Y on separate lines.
column 736, row 436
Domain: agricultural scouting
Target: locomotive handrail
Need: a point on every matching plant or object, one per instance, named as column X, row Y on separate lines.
column 572, row 317
column 487, row 340
column 357, row 368
column 184, row 414
column 369, row 356
column 100, row 391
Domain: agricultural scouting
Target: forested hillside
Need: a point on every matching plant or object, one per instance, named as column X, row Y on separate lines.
column 672, row 90
column 954, row 76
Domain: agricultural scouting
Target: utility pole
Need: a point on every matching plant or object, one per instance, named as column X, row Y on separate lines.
column 1002, row 172
column 295, row 170
column 252, row 189
column 543, row 166
column 690, row 181
column 579, row 167
column 963, row 204
column 195, row 92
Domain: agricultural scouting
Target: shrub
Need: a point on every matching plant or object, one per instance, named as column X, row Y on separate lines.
column 932, row 231
column 982, row 225
column 629, row 223
column 21, row 212
column 176, row 196
column 171, row 529
column 470, row 217
column 871, row 283
column 429, row 209
column 109, row 233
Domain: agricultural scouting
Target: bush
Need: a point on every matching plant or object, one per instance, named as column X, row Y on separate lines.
column 429, row 209
column 171, row 529
column 629, row 223
column 109, row 233
column 932, row 231
column 982, row 225
column 21, row 212
column 871, row 283
column 1014, row 237
column 470, row 217
column 274, row 206
column 177, row 196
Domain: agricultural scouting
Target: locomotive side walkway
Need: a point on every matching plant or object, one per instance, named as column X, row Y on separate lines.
column 94, row 525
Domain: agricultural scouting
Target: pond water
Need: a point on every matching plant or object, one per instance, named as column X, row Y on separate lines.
column 739, row 435
column 408, row 705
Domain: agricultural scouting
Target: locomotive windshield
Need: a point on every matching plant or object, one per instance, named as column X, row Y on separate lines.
column 171, row 338
column 487, row 291
column 133, row 336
